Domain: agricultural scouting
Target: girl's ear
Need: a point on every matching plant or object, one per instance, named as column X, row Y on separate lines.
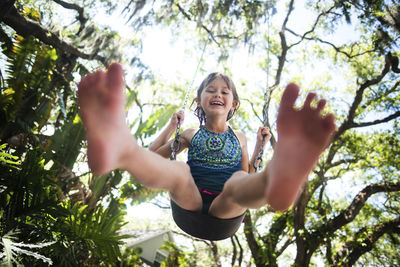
column 234, row 104
column 197, row 100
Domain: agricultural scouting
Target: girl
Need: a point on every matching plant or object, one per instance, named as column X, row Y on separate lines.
column 218, row 165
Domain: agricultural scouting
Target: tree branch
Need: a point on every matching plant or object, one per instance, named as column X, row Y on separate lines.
column 343, row 161
column 354, row 249
column 250, row 238
column 214, row 249
column 188, row 17
column 251, row 103
column 348, row 123
column 281, row 63
column 358, row 202
column 322, row 179
column 337, row 49
column 78, row 9
column 347, row 215
column 284, row 47
column 299, row 222
column 5, row 6
column 272, row 239
column 240, row 250
column 312, row 28
column 234, row 251
column 375, row 122
column 288, row 242
column 27, row 27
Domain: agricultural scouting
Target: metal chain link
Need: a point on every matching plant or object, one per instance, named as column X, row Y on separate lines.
column 176, row 144
column 258, row 166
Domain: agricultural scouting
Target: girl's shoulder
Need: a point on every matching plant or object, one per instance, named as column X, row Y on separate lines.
column 187, row 135
column 239, row 133
column 241, row 136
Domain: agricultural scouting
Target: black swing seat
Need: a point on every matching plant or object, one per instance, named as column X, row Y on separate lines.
column 204, row 226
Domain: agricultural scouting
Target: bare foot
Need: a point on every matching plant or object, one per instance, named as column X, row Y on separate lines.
column 102, row 107
column 302, row 136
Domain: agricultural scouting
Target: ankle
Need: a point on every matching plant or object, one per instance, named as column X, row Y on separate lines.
column 128, row 152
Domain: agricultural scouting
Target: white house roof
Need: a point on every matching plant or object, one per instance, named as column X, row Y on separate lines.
column 140, row 236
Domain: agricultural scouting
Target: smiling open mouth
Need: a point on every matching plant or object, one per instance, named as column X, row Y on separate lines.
column 216, row 103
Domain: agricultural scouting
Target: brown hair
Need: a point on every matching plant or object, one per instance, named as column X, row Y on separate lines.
column 199, row 112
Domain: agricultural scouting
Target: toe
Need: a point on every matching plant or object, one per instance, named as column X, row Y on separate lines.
column 115, row 77
column 309, row 99
column 289, row 96
column 321, row 104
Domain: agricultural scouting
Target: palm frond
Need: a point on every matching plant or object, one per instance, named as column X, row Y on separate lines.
column 14, row 249
column 97, row 229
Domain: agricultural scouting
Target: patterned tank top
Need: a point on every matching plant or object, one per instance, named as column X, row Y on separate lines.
column 213, row 158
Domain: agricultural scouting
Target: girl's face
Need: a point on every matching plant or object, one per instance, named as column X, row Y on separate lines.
column 217, row 99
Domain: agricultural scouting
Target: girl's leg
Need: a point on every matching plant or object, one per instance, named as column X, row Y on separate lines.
column 302, row 137
column 241, row 191
column 110, row 144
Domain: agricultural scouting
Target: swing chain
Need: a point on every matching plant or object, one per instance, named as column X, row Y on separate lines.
column 176, row 144
column 258, row 166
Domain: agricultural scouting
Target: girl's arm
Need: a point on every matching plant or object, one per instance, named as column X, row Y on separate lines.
column 262, row 131
column 245, row 154
column 162, row 145
column 185, row 136
column 166, row 134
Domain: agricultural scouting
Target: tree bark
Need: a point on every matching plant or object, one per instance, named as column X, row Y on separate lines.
column 255, row 248
column 300, row 230
column 5, row 6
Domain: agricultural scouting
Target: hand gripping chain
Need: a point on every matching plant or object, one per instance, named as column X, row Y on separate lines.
column 176, row 144
column 259, row 157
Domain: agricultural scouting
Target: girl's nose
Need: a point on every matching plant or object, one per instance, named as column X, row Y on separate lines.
column 218, row 94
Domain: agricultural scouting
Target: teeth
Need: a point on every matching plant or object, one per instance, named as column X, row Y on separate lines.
column 217, row 103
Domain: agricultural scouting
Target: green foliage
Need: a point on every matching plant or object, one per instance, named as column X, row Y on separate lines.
column 130, row 257
column 12, row 249
column 379, row 17
column 155, row 122
column 32, row 63
column 30, row 204
column 28, row 190
column 176, row 256
column 136, row 192
column 64, row 146
column 96, row 230
column 36, row 182
column 6, row 158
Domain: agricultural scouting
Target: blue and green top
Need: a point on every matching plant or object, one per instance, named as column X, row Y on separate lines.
column 213, row 158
